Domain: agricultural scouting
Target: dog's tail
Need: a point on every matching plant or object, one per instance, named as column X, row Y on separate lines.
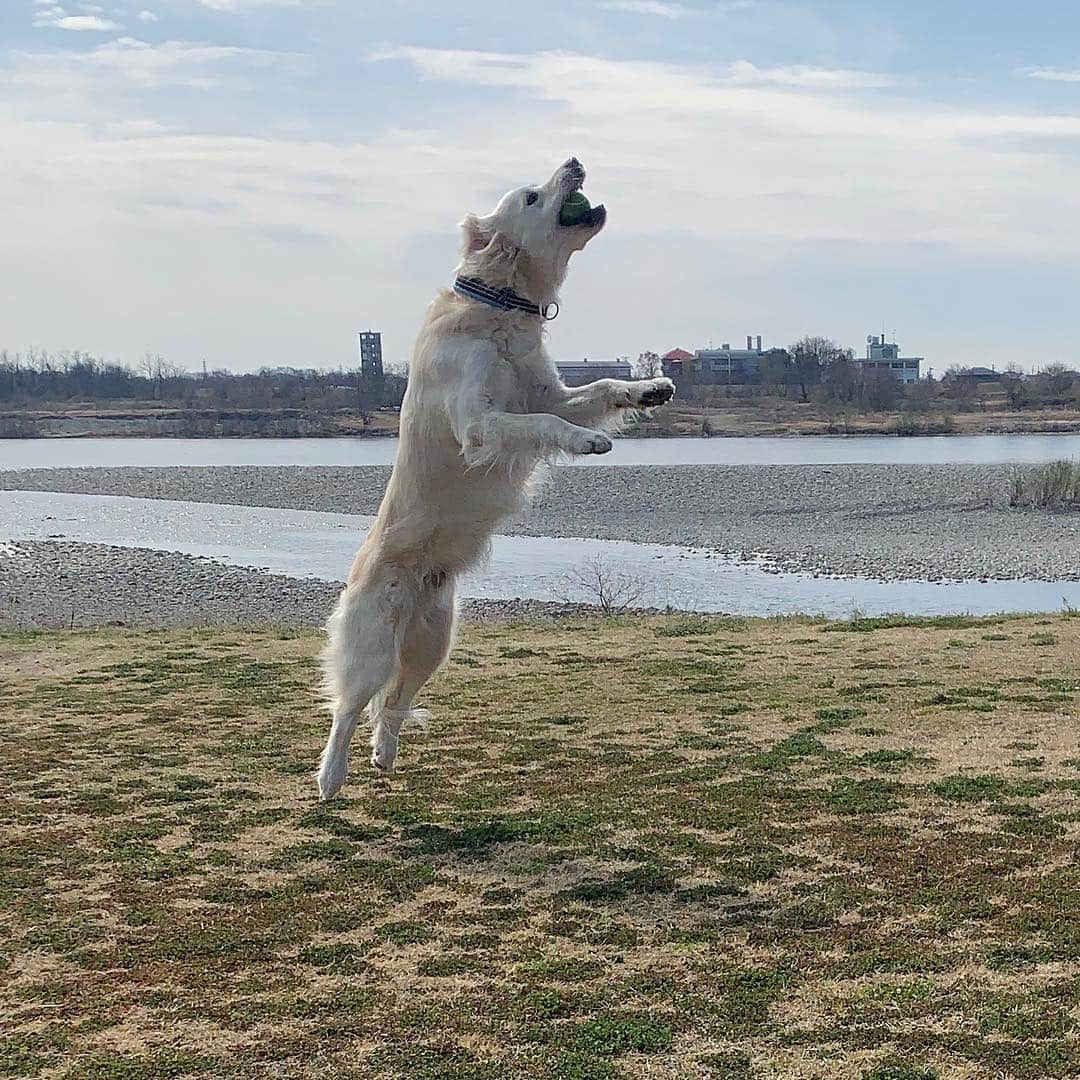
column 360, row 657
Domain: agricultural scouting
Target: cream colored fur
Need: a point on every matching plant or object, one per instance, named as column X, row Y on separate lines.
column 484, row 409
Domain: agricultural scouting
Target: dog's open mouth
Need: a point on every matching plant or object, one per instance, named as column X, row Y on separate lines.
column 577, row 212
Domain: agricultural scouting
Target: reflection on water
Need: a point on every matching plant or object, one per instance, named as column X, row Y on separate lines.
column 309, row 544
column 806, row 450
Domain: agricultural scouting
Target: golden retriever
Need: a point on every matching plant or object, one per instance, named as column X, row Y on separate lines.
column 484, row 408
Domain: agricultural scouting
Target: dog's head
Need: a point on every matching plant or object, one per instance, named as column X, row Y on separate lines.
column 522, row 239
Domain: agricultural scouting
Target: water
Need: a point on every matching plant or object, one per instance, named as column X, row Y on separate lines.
column 309, row 544
column 805, row 450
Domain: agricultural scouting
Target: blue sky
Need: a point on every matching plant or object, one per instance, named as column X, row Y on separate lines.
column 248, row 182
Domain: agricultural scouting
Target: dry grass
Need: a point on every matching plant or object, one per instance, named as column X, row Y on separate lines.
column 1053, row 486
column 788, row 416
column 642, row 848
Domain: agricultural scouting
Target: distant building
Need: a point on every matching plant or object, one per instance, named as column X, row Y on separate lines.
column 371, row 385
column 587, row 371
column 371, row 362
column 983, row 374
column 882, row 355
column 716, row 367
column 676, row 356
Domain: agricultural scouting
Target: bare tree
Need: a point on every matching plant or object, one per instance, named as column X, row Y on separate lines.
column 810, row 357
column 1058, row 377
column 648, row 366
column 610, row 589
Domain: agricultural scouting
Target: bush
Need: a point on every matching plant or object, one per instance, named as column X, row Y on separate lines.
column 1054, row 486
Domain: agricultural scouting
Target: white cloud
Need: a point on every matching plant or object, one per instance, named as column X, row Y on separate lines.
column 147, row 17
column 241, row 5
column 1052, row 75
column 132, row 60
column 60, row 21
column 216, row 242
column 716, row 142
column 649, row 7
column 811, row 78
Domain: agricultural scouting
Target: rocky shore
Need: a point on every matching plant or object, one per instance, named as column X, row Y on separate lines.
column 926, row 522
column 51, row 585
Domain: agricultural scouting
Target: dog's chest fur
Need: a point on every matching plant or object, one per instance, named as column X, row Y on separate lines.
column 526, row 377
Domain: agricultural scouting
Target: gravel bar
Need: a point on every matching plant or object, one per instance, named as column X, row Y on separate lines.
column 891, row 522
column 51, row 584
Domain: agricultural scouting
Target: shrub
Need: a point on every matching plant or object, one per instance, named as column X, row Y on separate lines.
column 1053, row 486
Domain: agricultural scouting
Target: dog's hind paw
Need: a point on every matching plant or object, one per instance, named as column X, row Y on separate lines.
column 383, row 763
column 331, row 778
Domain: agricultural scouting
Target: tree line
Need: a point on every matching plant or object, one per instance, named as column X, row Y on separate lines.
column 813, row 369
column 39, row 377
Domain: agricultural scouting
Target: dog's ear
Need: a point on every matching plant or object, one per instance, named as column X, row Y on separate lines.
column 475, row 235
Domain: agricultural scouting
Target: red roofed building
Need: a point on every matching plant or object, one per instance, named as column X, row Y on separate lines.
column 672, row 362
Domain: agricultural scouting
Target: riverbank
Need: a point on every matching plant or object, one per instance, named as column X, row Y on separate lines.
column 730, row 418
column 56, row 585
column 929, row 522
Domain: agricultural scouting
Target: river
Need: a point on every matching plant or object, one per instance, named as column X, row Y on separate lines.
column 802, row 450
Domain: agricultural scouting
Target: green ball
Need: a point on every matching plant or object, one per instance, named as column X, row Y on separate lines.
column 574, row 209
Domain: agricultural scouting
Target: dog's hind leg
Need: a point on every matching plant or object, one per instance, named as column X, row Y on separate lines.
column 424, row 647
column 360, row 657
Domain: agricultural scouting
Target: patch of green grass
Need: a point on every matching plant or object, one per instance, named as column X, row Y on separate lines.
column 404, row 932
column 429, row 1061
column 726, row 1065
column 970, row 788
column 562, row 968
column 563, row 720
column 612, row 1033
column 161, row 1065
column 698, row 627
column 891, row 760
column 640, row 881
column 921, row 622
column 838, row 715
column 847, row 796
column 1030, row 763
column 900, row 1070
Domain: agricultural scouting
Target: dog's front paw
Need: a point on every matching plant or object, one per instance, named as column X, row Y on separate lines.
column 655, row 392
column 593, row 443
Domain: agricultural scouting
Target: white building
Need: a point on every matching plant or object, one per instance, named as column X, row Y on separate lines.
column 882, row 355
column 587, row 371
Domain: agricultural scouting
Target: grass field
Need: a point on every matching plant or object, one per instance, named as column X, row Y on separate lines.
column 639, row 847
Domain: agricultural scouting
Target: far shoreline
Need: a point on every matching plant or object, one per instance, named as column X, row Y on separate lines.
column 851, row 432
column 722, row 419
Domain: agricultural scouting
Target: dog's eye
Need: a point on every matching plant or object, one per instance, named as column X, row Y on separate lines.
column 531, row 197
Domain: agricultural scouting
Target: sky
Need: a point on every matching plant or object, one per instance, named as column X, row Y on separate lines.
column 247, row 183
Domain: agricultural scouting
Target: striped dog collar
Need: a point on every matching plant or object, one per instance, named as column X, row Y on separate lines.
column 503, row 299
